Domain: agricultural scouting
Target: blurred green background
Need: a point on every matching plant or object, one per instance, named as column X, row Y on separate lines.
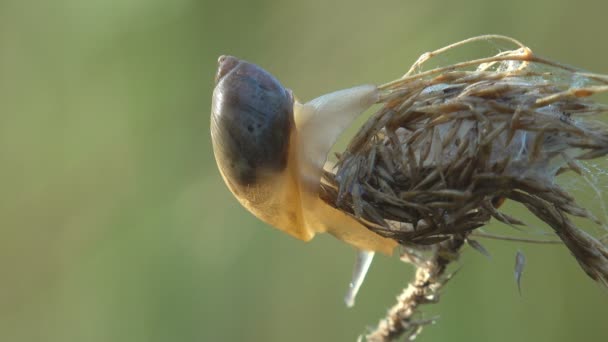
column 116, row 225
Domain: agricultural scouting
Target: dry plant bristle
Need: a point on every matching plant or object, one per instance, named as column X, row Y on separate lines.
column 450, row 144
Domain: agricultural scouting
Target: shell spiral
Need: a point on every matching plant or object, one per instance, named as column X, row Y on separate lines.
column 251, row 122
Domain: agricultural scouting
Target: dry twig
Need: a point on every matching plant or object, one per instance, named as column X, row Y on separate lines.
column 424, row 289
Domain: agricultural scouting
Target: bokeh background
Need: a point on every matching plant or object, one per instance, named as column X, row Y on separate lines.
column 116, row 226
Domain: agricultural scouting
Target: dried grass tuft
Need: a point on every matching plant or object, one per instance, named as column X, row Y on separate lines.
column 450, row 144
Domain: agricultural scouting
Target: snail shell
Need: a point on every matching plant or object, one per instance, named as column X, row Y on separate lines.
column 252, row 116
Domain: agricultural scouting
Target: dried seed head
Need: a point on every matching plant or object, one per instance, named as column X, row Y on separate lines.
column 450, row 144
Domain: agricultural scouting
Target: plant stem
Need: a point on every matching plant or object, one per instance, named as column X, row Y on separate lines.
column 430, row 278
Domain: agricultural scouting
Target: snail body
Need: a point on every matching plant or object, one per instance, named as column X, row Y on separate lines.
column 271, row 150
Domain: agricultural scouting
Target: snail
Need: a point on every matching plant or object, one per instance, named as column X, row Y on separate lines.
column 271, row 151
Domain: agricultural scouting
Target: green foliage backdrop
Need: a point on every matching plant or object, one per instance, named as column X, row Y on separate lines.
column 116, row 226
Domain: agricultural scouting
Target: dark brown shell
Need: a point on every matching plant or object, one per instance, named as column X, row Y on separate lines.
column 251, row 120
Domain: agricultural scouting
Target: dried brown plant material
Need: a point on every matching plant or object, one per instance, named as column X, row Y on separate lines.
column 430, row 277
column 450, row 144
column 520, row 263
